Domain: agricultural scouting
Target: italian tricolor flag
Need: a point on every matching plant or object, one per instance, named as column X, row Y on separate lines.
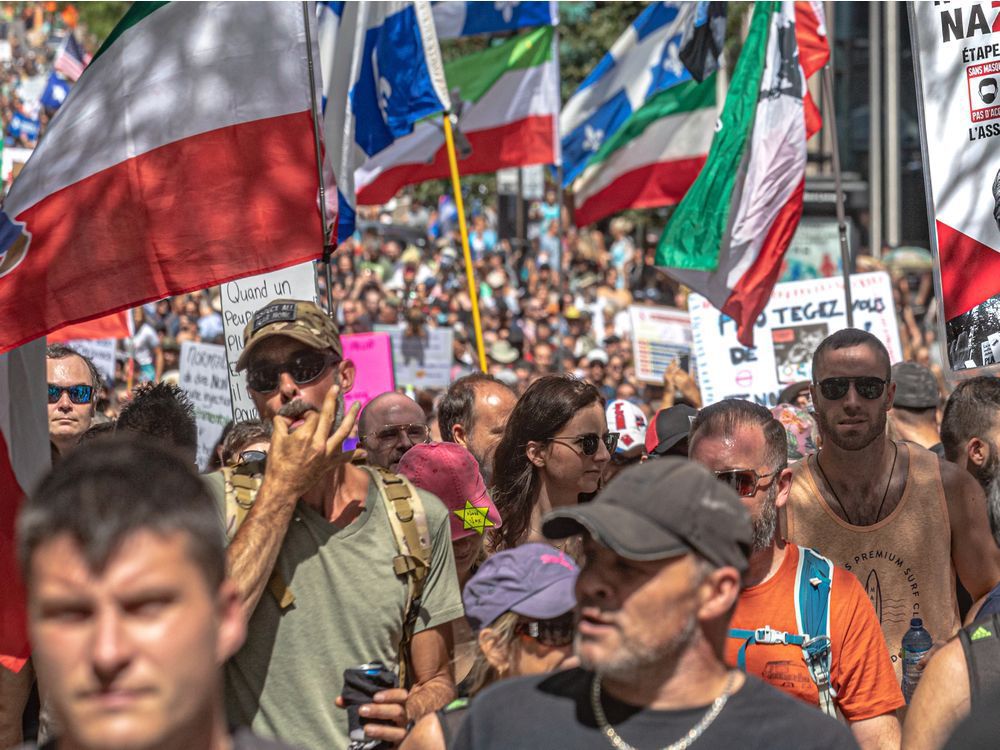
column 654, row 157
column 727, row 237
column 184, row 157
column 508, row 108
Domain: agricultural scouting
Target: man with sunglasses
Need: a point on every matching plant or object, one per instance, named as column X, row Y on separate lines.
column 319, row 523
column 389, row 425
column 745, row 447
column 73, row 386
column 896, row 516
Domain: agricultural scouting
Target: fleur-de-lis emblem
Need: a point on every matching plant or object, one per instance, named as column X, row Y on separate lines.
column 592, row 138
column 673, row 63
column 384, row 94
column 506, row 10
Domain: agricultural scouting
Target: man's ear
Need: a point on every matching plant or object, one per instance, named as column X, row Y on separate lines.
column 784, row 480
column 232, row 627
column 346, row 373
column 718, row 593
column 978, row 451
column 496, row 654
column 536, row 453
column 458, row 435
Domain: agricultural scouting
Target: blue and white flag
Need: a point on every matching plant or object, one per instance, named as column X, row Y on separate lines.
column 382, row 73
column 56, row 91
column 23, row 125
column 642, row 62
column 703, row 40
column 454, row 18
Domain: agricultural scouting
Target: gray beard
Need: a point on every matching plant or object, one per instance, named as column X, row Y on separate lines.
column 992, row 490
column 298, row 409
column 765, row 525
column 633, row 657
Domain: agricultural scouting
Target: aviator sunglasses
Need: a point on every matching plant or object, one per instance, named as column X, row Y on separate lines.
column 558, row 631
column 589, row 443
column 304, row 368
column 867, row 387
column 744, row 481
column 78, row 394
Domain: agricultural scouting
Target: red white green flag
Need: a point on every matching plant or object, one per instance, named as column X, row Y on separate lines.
column 727, row 237
column 184, row 157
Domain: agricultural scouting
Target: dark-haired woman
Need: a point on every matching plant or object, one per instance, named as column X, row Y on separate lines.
column 554, row 448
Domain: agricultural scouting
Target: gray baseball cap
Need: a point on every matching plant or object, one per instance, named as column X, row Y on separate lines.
column 916, row 386
column 665, row 507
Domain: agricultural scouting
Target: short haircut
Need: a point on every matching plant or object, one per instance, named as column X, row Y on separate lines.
column 459, row 403
column 61, row 351
column 114, row 489
column 724, row 417
column 243, row 434
column 163, row 411
column 846, row 338
column 973, row 410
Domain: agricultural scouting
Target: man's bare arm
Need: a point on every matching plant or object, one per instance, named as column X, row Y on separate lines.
column 433, row 678
column 941, row 701
column 295, row 462
column 973, row 549
column 877, row 733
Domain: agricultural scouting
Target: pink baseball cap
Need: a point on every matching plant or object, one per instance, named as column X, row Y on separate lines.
column 449, row 471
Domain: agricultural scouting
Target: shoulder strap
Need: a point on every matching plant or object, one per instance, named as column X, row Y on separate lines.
column 242, row 485
column 813, row 582
column 981, row 645
column 450, row 718
column 408, row 521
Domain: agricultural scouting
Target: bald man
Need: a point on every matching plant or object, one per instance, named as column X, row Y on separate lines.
column 389, row 426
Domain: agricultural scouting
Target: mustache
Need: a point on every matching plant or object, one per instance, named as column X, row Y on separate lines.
column 296, row 410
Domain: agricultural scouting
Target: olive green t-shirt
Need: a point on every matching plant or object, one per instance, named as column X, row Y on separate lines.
column 348, row 610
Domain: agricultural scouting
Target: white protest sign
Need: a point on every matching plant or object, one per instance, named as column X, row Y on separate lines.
column 659, row 335
column 204, row 378
column 240, row 300
column 797, row 318
column 99, row 351
column 421, row 361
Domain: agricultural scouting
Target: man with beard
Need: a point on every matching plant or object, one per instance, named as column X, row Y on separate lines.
column 745, row 447
column 665, row 544
column 473, row 414
column 320, row 523
column 892, row 513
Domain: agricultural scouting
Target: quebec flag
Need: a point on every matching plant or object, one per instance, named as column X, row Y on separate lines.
column 454, row 18
column 56, row 91
column 382, row 73
column 643, row 61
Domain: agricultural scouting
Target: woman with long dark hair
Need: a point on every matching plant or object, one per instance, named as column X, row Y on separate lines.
column 554, row 448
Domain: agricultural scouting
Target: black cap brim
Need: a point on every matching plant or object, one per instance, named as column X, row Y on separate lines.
column 624, row 532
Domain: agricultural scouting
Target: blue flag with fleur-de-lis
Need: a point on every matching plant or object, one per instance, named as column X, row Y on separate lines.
column 381, row 73
column 643, row 61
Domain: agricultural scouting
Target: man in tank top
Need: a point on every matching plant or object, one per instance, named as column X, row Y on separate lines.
column 890, row 512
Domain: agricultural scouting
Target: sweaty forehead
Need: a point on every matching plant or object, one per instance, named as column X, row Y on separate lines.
column 744, row 448
column 67, row 371
column 399, row 410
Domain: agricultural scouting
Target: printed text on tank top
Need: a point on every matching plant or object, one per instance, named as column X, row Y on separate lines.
column 867, row 510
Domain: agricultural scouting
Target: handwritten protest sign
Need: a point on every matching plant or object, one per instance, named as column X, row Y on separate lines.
column 240, row 300
column 371, row 354
column 659, row 335
column 99, row 351
column 421, row 360
column 799, row 315
column 204, row 378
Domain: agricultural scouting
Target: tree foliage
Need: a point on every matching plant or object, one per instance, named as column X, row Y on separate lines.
column 100, row 18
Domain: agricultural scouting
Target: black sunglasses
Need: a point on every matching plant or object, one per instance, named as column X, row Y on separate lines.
column 744, row 481
column 866, row 386
column 304, row 368
column 591, row 441
column 78, row 394
column 558, row 631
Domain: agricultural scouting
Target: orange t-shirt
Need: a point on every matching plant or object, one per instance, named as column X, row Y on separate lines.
column 861, row 672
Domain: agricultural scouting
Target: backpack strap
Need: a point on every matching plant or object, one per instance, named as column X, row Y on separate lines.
column 981, row 646
column 408, row 521
column 813, row 583
column 243, row 482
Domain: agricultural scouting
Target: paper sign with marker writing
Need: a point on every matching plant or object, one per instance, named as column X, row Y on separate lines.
column 659, row 336
column 422, row 358
column 240, row 300
column 204, row 377
column 371, row 354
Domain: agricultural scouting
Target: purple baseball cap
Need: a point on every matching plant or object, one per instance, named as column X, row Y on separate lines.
column 534, row 580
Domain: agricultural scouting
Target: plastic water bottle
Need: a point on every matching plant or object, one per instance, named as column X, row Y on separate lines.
column 916, row 643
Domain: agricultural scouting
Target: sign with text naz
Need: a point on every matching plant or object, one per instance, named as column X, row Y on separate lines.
column 799, row 315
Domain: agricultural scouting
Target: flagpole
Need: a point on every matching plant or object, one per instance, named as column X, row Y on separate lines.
column 470, row 276
column 329, row 243
column 845, row 250
column 563, row 286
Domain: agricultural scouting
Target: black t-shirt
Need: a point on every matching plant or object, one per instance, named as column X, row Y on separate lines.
column 243, row 739
column 553, row 711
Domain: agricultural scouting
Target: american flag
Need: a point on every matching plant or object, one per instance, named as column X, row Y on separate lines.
column 70, row 59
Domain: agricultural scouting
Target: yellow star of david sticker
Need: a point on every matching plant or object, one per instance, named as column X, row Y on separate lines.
column 474, row 517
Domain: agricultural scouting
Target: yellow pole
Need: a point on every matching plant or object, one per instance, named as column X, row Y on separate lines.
column 470, row 277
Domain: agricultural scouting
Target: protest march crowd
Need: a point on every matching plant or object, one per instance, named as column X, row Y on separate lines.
column 550, row 551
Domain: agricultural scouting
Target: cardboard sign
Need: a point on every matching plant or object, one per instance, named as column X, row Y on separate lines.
column 421, row 361
column 99, row 351
column 204, row 377
column 659, row 335
column 240, row 300
column 371, row 354
column 798, row 317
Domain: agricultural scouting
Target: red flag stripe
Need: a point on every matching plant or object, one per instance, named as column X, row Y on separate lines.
column 970, row 271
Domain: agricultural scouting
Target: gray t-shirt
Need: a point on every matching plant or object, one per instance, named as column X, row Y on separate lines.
column 348, row 610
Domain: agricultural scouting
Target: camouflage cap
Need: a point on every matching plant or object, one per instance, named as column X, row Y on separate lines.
column 297, row 319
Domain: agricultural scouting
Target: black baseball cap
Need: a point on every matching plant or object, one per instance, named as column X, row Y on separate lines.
column 661, row 509
column 668, row 427
column 916, row 386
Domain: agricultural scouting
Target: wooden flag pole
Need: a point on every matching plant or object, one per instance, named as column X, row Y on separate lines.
column 470, row 276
